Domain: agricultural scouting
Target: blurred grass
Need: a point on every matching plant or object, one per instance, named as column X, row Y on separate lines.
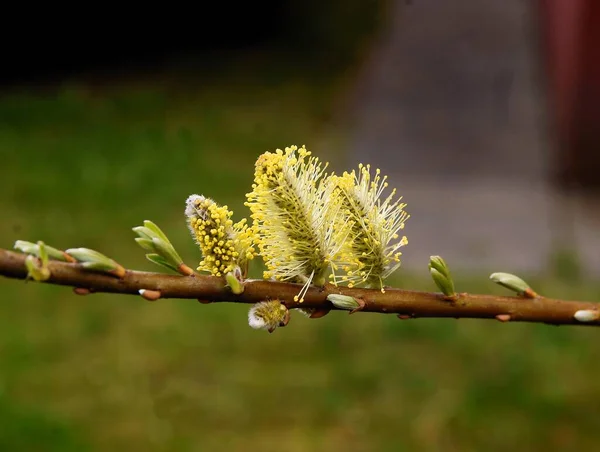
column 83, row 165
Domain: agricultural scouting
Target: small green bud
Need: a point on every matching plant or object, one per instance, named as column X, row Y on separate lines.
column 513, row 283
column 87, row 255
column 93, row 260
column 166, row 250
column 343, row 301
column 234, row 281
column 33, row 248
column 443, row 282
column 26, row 247
column 440, row 273
column 35, row 269
column 439, row 264
column 99, row 266
column 587, row 315
column 152, row 238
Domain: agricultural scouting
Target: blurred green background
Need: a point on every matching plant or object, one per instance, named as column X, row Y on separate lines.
column 83, row 163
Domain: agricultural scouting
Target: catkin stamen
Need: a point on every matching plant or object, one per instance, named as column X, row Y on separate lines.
column 298, row 234
column 373, row 249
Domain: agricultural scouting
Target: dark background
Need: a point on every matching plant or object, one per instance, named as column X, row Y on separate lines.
column 49, row 46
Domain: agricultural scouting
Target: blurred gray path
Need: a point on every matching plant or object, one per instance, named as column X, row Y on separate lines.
column 451, row 108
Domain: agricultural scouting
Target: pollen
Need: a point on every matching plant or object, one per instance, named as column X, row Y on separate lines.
column 295, row 217
column 373, row 246
column 224, row 245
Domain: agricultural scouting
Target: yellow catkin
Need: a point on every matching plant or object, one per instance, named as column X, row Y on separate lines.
column 224, row 245
column 268, row 315
column 372, row 249
column 294, row 217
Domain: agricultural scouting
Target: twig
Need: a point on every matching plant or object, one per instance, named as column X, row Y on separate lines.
column 405, row 303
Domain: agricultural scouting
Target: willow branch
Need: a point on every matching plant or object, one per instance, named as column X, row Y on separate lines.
column 405, row 303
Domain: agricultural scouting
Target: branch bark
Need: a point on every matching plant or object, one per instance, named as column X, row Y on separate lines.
column 405, row 303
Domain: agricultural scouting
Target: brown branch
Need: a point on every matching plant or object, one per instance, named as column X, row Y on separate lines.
column 405, row 303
